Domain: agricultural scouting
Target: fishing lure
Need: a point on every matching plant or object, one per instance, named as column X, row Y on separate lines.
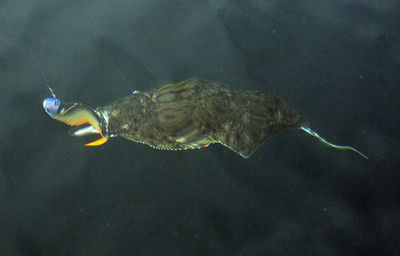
column 190, row 114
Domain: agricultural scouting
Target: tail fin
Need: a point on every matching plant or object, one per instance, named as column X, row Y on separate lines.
column 313, row 133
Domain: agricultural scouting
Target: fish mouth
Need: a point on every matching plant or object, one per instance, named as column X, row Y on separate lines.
column 85, row 121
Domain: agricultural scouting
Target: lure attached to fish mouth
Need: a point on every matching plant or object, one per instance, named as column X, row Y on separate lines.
column 186, row 115
column 76, row 114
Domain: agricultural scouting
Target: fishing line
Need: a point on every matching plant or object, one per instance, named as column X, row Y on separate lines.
column 34, row 60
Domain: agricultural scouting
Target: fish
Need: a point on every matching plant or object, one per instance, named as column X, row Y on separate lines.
column 190, row 114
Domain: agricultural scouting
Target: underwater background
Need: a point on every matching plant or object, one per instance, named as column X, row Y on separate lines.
column 336, row 62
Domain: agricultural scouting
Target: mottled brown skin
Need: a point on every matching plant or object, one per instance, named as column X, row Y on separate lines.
column 195, row 113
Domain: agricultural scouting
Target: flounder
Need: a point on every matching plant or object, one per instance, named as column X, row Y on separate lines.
column 186, row 115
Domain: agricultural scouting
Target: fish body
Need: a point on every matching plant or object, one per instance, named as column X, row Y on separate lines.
column 195, row 113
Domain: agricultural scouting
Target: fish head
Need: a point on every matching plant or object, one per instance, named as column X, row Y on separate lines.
column 51, row 106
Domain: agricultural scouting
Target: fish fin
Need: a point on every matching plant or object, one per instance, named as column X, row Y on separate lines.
column 98, row 142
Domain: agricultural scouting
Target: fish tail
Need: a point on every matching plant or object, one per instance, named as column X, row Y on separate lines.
column 316, row 135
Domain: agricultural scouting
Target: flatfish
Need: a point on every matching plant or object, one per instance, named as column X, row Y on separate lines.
column 186, row 115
